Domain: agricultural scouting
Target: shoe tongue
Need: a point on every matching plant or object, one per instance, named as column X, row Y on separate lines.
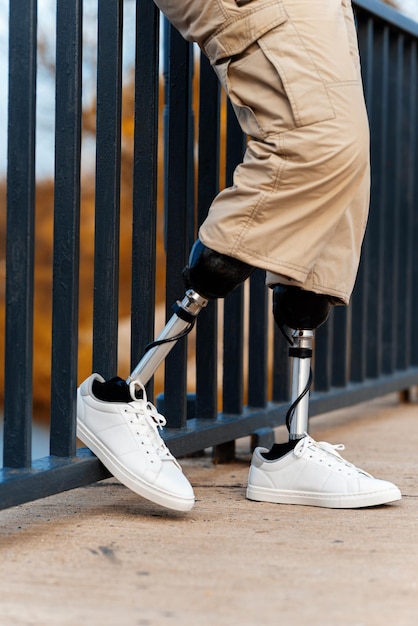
column 114, row 390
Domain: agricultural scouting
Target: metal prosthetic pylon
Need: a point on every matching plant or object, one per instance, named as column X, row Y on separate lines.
column 301, row 353
column 179, row 325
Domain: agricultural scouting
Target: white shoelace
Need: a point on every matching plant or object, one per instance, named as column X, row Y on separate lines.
column 324, row 448
column 147, row 422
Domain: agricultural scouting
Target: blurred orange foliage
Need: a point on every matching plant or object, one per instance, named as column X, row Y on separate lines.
column 44, row 207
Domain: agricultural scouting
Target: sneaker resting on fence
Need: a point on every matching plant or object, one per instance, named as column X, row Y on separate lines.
column 125, row 437
column 315, row 474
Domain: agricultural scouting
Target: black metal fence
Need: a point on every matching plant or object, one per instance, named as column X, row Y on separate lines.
column 364, row 351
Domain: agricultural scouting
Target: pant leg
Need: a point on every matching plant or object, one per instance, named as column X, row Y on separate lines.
column 339, row 261
column 298, row 204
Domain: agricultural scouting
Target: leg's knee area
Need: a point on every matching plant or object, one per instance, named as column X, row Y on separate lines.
column 299, row 309
column 212, row 274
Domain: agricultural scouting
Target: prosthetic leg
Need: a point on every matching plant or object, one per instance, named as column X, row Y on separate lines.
column 298, row 313
column 211, row 275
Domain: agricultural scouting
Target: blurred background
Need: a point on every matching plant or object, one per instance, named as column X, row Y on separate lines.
column 45, row 197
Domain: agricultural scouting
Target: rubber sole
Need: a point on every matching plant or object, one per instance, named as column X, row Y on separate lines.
column 331, row 501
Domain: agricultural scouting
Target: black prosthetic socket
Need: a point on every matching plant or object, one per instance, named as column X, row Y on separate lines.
column 113, row 390
column 280, row 449
column 299, row 309
column 212, row 274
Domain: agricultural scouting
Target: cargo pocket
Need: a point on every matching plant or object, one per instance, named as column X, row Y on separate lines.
column 307, row 93
column 246, row 91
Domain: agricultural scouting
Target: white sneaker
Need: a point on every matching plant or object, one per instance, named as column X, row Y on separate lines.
column 125, row 437
column 315, row 474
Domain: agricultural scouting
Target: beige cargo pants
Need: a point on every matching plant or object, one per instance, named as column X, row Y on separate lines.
column 299, row 201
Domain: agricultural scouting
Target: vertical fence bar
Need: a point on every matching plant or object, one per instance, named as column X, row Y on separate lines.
column 322, row 361
column 257, row 341
column 66, row 227
column 405, row 220
column 178, row 179
column 357, row 349
column 374, row 234
column 359, row 309
column 233, row 352
column 413, row 195
column 232, row 399
column 340, row 339
column 208, row 186
column 281, row 367
column 20, row 234
column 389, row 202
column 145, row 185
column 107, row 208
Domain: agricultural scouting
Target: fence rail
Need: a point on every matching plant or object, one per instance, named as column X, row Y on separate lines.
column 365, row 350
